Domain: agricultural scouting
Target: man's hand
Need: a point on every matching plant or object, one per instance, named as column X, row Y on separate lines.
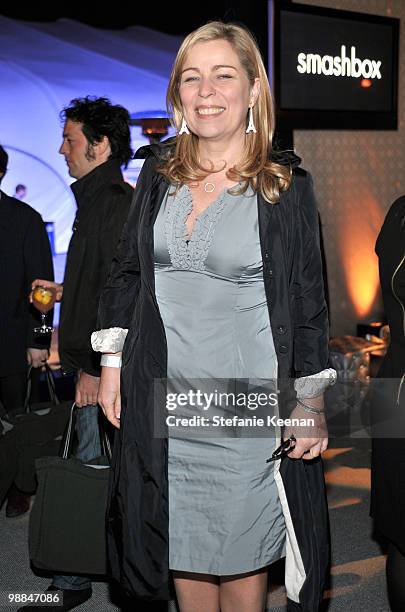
column 86, row 390
column 46, row 283
column 109, row 396
column 37, row 357
column 312, row 440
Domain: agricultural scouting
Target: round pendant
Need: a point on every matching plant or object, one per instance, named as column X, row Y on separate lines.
column 209, row 187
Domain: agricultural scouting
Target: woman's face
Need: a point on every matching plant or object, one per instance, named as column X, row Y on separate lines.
column 215, row 92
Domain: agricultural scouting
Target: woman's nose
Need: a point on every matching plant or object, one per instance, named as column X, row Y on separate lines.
column 206, row 88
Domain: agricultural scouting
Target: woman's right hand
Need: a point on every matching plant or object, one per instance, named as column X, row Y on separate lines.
column 109, row 395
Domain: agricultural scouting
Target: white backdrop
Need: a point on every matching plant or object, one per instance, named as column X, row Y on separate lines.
column 42, row 67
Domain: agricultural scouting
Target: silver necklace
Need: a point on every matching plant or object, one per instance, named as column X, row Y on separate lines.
column 209, row 187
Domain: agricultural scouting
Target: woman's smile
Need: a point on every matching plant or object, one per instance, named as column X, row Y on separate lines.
column 207, row 112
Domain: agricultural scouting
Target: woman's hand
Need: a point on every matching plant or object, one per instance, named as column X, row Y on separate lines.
column 312, row 440
column 109, row 396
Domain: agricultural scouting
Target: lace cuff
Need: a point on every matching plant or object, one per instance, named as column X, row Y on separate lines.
column 108, row 340
column 311, row 386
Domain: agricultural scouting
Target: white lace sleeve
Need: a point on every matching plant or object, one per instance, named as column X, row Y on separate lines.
column 108, row 340
column 311, row 386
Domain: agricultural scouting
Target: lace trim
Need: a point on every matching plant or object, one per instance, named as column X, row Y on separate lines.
column 191, row 255
column 311, row 386
column 179, row 207
column 108, row 340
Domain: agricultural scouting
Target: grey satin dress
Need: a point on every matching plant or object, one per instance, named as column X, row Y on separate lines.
column 225, row 517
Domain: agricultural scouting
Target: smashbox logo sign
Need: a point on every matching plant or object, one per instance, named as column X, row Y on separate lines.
column 343, row 65
column 333, row 64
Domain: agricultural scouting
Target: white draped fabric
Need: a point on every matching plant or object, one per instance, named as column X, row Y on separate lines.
column 42, row 67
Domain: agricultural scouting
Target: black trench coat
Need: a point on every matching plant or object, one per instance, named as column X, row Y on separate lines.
column 388, row 453
column 137, row 515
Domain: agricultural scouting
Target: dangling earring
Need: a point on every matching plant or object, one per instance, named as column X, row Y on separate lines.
column 184, row 129
column 251, row 126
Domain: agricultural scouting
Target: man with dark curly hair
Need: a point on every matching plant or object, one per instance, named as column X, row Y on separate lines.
column 96, row 143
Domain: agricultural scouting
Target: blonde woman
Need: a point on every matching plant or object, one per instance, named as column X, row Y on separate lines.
column 218, row 275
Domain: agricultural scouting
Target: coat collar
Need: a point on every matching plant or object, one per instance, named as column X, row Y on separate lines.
column 159, row 150
column 108, row 173
column 163, row 150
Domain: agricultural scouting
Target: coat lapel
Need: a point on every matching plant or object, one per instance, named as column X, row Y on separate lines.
column 151, row 205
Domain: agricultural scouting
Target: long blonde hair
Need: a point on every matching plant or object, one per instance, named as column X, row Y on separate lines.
column 257, row 169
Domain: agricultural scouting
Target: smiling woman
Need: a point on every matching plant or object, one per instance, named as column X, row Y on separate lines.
column 215, row 93
column 213, row 281
column 214, row 90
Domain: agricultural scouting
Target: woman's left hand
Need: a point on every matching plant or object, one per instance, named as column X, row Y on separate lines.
column 312, row 439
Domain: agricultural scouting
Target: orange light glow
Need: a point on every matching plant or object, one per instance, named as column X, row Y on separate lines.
column 357, row 241
column 366, row 83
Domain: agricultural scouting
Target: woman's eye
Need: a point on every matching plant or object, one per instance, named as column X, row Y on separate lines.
column 189, row 79
column 225, row 76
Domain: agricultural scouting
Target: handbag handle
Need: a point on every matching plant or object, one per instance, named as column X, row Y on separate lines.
column 105, row 442
column 50, row 381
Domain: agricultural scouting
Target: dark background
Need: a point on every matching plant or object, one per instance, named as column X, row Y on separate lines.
column 172, row 17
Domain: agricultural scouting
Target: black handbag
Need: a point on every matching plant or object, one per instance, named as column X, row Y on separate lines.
column 35, row 431
column 67, row 521
column 8, row 462
column 38, row 432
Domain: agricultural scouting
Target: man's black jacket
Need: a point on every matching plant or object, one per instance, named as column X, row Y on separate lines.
column 103, row 199
column 25, row 255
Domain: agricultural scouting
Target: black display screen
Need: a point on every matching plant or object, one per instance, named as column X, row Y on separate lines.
column 335, row 69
